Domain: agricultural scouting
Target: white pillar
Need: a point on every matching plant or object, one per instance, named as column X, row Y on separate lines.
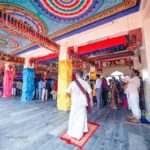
column 146, row 63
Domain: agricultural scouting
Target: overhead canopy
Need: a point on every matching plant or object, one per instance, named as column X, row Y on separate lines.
column 113, row 42
column 49, row 57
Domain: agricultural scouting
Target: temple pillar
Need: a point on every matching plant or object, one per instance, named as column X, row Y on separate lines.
column 64, row 79
column 8, row 80
column 146, row 64
column 28, row 88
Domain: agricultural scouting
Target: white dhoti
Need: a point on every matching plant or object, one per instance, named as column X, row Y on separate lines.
column 133, row 98
column 129, row 105
column 77, row 122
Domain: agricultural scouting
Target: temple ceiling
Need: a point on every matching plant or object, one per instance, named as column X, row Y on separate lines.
column 56, row 18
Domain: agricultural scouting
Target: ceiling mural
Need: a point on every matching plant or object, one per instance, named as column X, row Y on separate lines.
column 67, row 11
column 26, row 16
column 7, row 42
column 13, row 41
column 58, row 17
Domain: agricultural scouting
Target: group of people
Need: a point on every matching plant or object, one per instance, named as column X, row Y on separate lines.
column 45, row 88
column 17, row 88
column 115, row 91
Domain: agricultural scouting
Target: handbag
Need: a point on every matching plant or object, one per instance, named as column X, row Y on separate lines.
column 89, row 109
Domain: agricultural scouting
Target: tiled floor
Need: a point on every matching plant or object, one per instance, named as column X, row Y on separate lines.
column 37, row 126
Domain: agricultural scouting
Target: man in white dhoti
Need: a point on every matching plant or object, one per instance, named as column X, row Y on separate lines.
column 78, row 113
column 133, row 97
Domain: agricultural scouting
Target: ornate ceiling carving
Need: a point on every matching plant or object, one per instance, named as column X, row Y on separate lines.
column 55, row 18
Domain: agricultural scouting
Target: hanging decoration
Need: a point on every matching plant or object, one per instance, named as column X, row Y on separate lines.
column 2, row 67
column 117, row 63
column 29, row 33
column 10, row 58
column 51, row 69
column 135, row 39
column 104, row 46
column 32, row 61
column 50, row 57
column 113, row 56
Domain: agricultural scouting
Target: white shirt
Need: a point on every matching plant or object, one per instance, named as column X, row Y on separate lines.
column 19, row 85
column 77, row 97
column 98, row 83
column 133, row 85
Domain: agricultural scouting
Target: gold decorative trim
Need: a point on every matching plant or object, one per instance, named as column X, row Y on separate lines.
column 26, row 12
column 117, row 9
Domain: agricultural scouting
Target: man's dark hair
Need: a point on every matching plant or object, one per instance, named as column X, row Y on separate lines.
column 87, row 77
column 136, row 71
column 98, row 76
column 79, row 72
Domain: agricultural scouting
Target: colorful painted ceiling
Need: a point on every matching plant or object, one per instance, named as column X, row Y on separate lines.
column 59, row 18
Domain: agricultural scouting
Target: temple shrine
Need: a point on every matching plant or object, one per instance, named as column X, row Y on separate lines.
column 44, row 43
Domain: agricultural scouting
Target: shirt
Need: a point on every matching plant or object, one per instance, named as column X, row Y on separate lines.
column 14, row 85
column 104, row 83
column 55, row 86
column 77, row 96
column 19, row 85
column 40, row 84
column 98, row 83
column 133, row 84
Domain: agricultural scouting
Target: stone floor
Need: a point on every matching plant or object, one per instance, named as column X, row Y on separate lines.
column 38, row 125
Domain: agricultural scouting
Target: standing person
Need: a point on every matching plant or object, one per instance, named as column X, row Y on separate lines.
column 17, row 90
column 133, row 97
column 40, row 87
column 104, row 91
column 19, row 86
column 14, row 87
column 88, row 80
column 45, row 90
column 98, row 87
column 78, row 114
column 54, row 90
column 114, row 92
column 121, row 88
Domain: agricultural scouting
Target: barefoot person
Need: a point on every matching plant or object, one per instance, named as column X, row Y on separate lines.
column 78, row 112
column 133, row 97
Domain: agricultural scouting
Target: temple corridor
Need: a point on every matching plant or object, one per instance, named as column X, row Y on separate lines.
column 37, row 126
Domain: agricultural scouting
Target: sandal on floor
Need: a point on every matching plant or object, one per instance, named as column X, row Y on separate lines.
column 130, row 116
column 133, row 121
